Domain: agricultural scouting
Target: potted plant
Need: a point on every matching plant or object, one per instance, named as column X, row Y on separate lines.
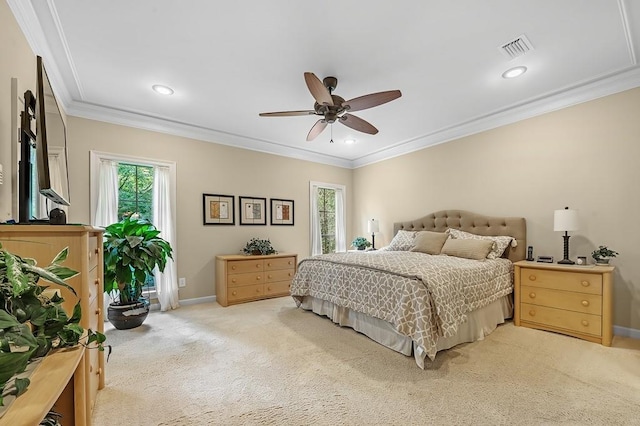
column 132, row 250
column 258, row 246
column 360, row 243
column 32, row 320
column 603, row 254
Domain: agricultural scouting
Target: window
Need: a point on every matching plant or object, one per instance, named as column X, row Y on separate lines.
column 328, row 225
column 135, row 191
column 327, row 217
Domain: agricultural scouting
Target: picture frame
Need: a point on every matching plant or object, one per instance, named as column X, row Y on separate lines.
column 218, row 209
column 282, row 212
column 253, row 210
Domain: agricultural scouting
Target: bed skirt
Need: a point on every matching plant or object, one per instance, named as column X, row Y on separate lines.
column 479, row 324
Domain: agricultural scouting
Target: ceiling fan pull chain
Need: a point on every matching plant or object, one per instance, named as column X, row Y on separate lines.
column 331, row 141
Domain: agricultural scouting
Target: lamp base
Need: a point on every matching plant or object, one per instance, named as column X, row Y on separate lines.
column 566, row 262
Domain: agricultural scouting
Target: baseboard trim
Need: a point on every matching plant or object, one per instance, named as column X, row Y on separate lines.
column 185, row 302
column 618, row 330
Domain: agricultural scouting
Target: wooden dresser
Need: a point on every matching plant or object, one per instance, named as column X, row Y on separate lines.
column 242, row 279
column 573, row 300
column 42, row 243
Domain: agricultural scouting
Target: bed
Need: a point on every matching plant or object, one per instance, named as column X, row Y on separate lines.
column 419, row 296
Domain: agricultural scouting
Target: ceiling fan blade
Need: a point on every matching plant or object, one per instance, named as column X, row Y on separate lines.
column 317, row 89
column 316, row 129
column 286, row 113
column 371, row 100
column 358, row 124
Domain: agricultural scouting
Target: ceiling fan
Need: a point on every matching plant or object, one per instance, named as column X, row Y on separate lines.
column 332, row 108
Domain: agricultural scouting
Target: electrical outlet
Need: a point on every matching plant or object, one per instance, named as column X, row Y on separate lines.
column 182, row 282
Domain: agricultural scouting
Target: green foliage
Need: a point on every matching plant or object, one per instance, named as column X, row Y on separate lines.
column 257, row 246
column 360, row 243
column 135, row 190
column 132, row 250
column 32, row 320
column 327, row 219
column 603, row 252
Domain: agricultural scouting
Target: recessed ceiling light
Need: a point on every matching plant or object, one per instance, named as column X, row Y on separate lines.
column 514, row 72
column 163, row 90
column 349, row 141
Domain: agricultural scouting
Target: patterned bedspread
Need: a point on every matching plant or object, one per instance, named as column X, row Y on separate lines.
column 423, row 296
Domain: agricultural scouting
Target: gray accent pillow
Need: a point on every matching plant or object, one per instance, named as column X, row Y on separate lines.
column 500, row 243
column 403, row 241
column 429, row 242
column 468, row 249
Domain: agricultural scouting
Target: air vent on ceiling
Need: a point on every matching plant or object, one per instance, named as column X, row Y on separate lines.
column 516, row 47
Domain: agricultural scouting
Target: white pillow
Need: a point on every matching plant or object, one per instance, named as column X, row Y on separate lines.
column 500, row 243
column 403, row 241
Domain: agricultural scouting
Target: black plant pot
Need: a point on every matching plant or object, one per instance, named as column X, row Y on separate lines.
column 128, row 315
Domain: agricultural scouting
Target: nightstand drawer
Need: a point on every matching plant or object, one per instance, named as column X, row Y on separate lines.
column 246, row 292
column 242, row 266
column 554, row 279
column 237, row 280
column 280, row 263
column 572, row 321
column 572, row 301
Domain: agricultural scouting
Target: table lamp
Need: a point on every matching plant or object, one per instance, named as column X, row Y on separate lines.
column 372, row 227
column 565, row 220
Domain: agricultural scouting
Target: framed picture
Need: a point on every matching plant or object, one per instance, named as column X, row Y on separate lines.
column 218, row 209
column 281, row 212
column 253, row 211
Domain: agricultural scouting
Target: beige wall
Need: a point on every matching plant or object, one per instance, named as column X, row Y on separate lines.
column 204, row 167
column 585, row 157
column 16, row 61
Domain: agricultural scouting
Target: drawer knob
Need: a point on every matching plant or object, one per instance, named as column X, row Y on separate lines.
column 257, row 265
column 289, row 273
column 97, row 281
column 233, row 293
column 585, row 303
column 268, row 288
column 532, row 277
column 91, row 369
column 233, row 280
column 257, row 290
column 585, row 323
column 233, row 267
column 585, row 283
column 98, row 311
column 258, row 278
column 532, row 313
column 289, row 262
column 269, row 276
column 269, row 264
column 97, row 251
column 99, row 371
column 532, row 295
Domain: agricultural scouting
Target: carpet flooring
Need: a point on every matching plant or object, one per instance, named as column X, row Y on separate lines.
column 269, row 363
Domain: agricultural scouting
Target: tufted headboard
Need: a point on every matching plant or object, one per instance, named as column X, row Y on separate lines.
column 515, row 227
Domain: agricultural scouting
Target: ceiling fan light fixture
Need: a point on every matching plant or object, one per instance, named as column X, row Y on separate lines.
column 163, row 90
column 514, row 72
column 349, row 141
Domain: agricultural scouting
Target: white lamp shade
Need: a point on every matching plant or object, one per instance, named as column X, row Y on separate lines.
column 565, row 220
column 372, row 226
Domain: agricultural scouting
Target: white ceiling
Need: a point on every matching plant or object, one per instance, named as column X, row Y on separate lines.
column 228, row 61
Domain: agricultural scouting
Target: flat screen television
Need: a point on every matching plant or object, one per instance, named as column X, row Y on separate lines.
column 51, row 142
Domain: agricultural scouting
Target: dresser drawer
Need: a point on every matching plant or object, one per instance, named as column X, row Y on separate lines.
column 93, row 315
column 252, row 278
column 93, row 252
column 577, row 282
column 94, row 285
column 243, row 266
column 246, row 292
column 569, row 300
column 93, row 378
column 567, row 320
column 280, row 275
column 280, row 263
column 279, row 288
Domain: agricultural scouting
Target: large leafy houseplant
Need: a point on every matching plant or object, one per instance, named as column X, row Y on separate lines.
column 132, row 250
column 32, row 320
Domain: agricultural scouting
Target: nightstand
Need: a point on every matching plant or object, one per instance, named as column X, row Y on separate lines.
column 572, row 300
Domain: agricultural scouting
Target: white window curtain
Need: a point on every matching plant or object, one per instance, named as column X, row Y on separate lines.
column 107, row 205
column 167, row 281
column 341, row 226
column 341, row 231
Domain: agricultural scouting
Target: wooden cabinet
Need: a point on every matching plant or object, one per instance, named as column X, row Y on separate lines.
column 241, row 279
column 42, row 243
column 573, row 300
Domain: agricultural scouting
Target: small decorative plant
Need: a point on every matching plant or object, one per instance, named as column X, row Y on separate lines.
column 360, row 243
column 258, row 246
column 603, row 254
column 32, row 320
